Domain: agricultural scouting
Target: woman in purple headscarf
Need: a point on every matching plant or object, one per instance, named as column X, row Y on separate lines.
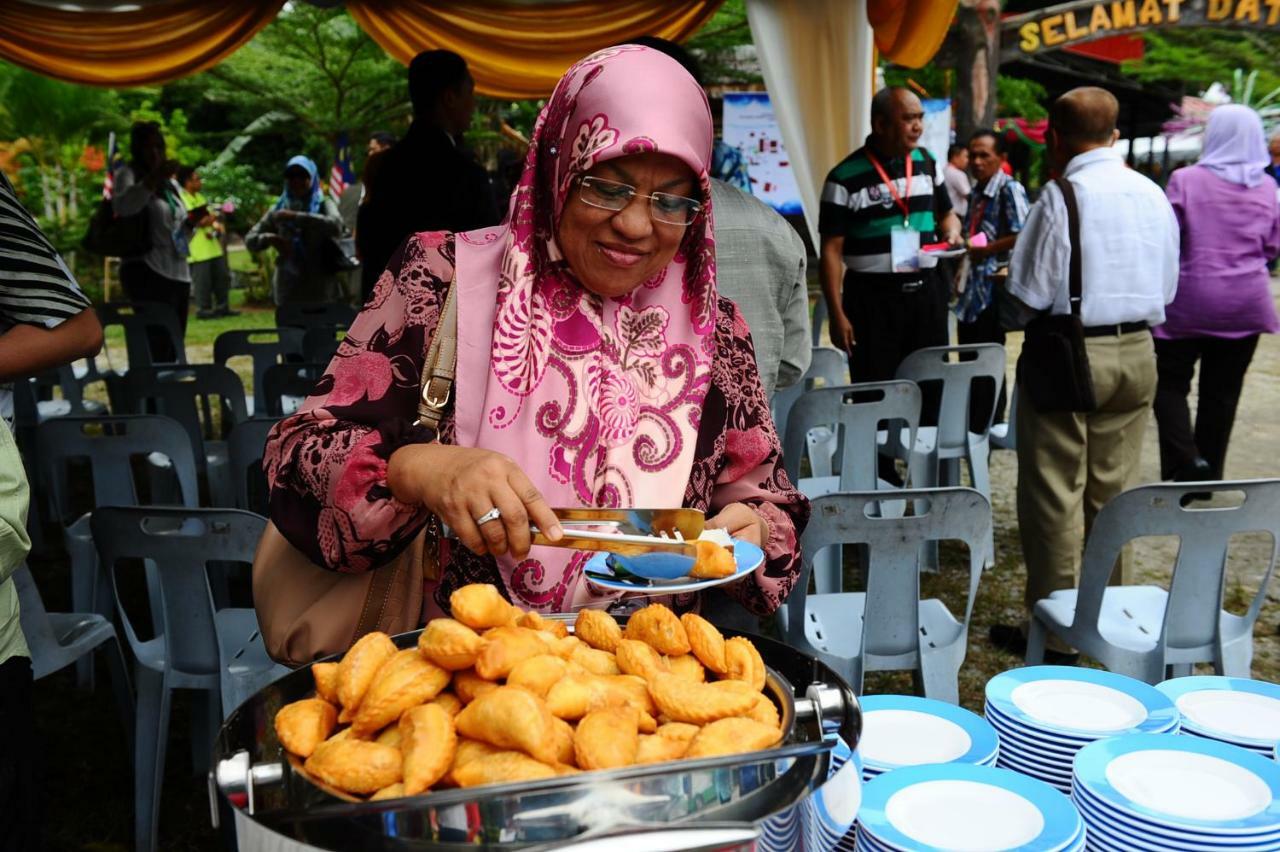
column 1227, row 207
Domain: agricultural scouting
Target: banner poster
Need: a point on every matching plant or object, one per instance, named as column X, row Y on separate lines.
column 937, row 128
column 749, row 125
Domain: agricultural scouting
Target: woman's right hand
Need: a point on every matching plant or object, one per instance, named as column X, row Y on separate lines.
column 460, row 484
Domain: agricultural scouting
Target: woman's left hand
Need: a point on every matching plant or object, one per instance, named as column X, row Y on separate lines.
column 742, row 522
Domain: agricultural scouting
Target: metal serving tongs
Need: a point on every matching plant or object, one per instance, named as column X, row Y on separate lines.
column 628, row 531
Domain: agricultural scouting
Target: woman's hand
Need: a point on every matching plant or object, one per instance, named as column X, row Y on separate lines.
column 742, row 522
column 460, row 484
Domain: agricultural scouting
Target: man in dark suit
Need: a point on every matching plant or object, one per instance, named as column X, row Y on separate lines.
column 425, row 182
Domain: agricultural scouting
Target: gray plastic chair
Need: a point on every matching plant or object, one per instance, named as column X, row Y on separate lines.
column 288, row 385
column 934, row 459
column 58, row 639
column 266, row 346
column 315, row 314
column 218, row 652
column 187, row 395
column 1143, row 630
column 888, row 627
column 827, row 367
column 248, row 439
column 140, row 320
column 320, row 343
column 819, row 317
column 1004, row 436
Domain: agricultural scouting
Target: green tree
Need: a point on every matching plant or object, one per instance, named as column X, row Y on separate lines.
column 1196, row 57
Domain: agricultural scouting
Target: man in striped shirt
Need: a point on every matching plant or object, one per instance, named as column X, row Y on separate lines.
column 880, row 316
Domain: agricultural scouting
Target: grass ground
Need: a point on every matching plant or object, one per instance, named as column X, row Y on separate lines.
column 87, row 778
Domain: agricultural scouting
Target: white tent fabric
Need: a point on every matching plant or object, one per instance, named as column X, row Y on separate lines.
column 818, row 62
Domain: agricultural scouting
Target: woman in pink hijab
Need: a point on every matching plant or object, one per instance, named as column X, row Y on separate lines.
column 597, row 366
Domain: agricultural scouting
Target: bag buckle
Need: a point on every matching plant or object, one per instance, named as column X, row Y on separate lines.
column 434, row 402
column 912, row 286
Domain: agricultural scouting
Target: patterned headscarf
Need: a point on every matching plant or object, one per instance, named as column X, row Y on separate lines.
column 598, row 399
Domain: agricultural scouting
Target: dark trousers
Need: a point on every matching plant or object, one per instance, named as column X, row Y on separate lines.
column 142, row 284
column 211, row 280
column 1223, row 363
column 890, row 321
column 19, row 786
column 985, row 328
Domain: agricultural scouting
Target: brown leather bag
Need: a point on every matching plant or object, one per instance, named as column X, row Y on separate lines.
column 306, row 612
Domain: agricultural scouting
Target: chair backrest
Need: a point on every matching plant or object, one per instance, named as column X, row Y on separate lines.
column 313, row 314
column 855, row 413
column 31, row 612
column 891, row 623
column 320, row 343
column 180, row 544
column 1199, row 570
column 111, row 443
column 186, row 394
column 136, row 318
column 248, row 439
column 971, row 361
column 819, row 317
column 289, row 382
column 266, row 346
column 828, row 367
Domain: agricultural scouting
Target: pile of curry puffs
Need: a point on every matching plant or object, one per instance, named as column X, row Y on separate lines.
column 497, row 695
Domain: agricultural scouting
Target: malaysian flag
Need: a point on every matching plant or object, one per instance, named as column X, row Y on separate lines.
column 114, row 161
column 341, row 176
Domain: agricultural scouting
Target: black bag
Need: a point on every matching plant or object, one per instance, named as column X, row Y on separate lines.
column 338, row 254
column 118, row 236
column 1053, row 369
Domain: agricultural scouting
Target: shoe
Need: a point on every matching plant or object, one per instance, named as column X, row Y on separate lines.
column 1198, row 471
column 1009, row 637
column 202, row 314
column 227, row 312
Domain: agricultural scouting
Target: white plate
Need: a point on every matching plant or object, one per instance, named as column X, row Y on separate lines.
column 909, row 737
column 964, row 815
column 1079, row 705
column 747, row 556
column 1232, row 715
column 1188, row 786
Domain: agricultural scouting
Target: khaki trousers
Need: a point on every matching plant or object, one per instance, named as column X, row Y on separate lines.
column 1070, row 465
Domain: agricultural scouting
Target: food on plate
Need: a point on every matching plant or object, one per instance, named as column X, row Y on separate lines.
column 404, row 681
column 656, row 625
column 450, row 644
column 494, row 696
column 511, row 718
column 357, row 766
column 598, row 629
column 732, row 736
column 481, row 606
column 429, row 742
column 303, row 725
column 705, row 640
column 712, row 561
column 359, row 667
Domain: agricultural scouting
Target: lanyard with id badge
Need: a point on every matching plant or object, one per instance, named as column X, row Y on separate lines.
column 904, row 240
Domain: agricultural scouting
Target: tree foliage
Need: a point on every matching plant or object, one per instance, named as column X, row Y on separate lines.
column 1196, row 57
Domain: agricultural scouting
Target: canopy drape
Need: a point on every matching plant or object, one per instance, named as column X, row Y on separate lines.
column 160, row 41
column 517, row 49
column 909, row 32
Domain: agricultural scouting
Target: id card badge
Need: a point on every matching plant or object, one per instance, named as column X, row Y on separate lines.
column 904, row 249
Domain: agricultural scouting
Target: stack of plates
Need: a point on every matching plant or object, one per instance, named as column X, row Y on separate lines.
column 1158, row 792
column 1233, row 710
column 962, row 806
column 1045, row 714
column 903, row 730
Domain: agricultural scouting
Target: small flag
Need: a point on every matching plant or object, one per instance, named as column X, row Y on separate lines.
column 341, row 175
column 114, row 161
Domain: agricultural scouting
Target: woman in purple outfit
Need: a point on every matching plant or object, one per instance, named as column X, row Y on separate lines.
column 1227, row 207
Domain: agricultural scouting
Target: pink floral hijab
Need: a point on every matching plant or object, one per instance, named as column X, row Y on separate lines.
column 598, row 399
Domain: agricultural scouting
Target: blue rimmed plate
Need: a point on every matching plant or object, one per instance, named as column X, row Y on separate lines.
column 962, row 806
column 1126, row 830
column 746, row 555
column 905, row 730
column 1190, row 783
column 1080, row 704
column 1232, row 709
column 1011, row 731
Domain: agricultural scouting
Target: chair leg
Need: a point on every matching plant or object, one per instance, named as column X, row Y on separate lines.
column 122, row 690
column 940, row 676
column 85, row 594
column 827, row 578
column 980, row 474
column 1179, row 669
column 1236, row 658
column 206, row 718
column 1037, row 634
column 151, row 736
column 922, row 470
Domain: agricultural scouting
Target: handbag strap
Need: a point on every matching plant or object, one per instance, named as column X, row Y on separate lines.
column 441, row 364
column 1075, row 275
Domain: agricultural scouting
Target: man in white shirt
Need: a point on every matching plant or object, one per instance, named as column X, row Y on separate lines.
column 1069, row 464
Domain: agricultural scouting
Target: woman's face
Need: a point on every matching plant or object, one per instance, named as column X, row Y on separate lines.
column 299, row 183
column 613, row 252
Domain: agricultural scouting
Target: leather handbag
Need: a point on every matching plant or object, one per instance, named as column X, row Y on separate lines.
column 1053, row 369
column 110, row 235
column 306, row 612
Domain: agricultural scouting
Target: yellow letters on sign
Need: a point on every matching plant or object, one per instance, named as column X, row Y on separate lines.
column 1074, row 30
column 1049, row 31
column 1100, row 22
column 1150, row 13
column 1248, row 8
column 1124, row 14
column 1218, row 10
column 1172, row 10
column 1030, row 33
column 1273, row 12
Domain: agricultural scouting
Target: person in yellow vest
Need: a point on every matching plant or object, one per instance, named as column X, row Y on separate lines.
column 210, row 276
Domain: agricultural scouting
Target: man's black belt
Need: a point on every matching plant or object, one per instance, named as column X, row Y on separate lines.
column 1114, row 330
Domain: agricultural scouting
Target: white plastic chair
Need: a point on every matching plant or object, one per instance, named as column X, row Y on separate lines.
column 247, row 442
column 828, row 367
column 218, row 652
column 1143, row 630
column 934, row 458
column 888, row 627
column 266, row 346
column 1004, row 436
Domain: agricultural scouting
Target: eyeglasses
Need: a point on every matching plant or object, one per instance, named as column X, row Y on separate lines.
column 612, row 195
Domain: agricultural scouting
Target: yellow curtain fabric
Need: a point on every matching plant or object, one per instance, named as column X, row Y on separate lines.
column 159, row 42
column 909, row 32
column 518, row 49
